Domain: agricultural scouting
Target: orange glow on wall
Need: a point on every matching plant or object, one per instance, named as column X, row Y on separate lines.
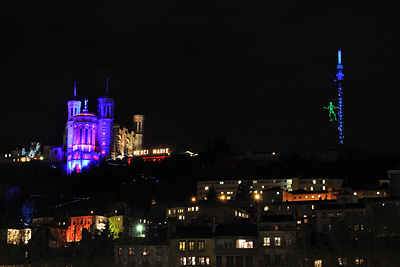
column 308, row 195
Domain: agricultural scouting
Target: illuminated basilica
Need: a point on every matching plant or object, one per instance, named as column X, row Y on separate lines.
column 88, row 138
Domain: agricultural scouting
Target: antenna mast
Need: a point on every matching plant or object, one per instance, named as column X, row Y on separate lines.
column 107, row 87
column 339, row 85
column 75, row 90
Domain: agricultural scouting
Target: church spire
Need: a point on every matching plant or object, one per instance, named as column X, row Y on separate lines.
column 107, row 87
column 74, row 90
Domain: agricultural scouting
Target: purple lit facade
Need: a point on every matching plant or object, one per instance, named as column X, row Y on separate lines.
column 89, row 137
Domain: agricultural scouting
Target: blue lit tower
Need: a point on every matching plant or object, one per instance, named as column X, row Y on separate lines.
column 105, row 124
column 84, row 149
column 74, row 107
column 339, row 85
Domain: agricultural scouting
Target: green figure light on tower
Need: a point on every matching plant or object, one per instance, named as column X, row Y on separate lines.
column 331, row 109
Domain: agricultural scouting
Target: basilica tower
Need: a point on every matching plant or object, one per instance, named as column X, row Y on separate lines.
column 105, row 124
column 74, row 108
column 138, row 122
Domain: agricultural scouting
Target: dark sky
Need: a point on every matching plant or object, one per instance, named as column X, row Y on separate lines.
column 255, row 73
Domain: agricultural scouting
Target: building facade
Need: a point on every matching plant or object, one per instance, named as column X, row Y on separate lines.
column 90, row 138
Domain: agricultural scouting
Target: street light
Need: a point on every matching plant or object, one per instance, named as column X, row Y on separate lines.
column 139, row 230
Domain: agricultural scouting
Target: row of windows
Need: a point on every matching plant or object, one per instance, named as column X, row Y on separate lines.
column 341, row 262
column 191, row 245
column 145, row 251
column 326, row 215
column 238, row 261
column 266, row 208
column 194, row 260
column 240, row 243
column 356, row 227
column 323, row 188
column 74, row 222
column 313, row 182
column 267, row 241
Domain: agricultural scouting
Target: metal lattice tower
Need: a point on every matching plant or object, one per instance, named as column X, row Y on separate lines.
column 339, row 85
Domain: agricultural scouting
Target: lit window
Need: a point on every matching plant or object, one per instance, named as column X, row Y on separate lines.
column 243, row 243
column 312, row 188
column 323, row 181
column 191, row 260
column 342, row 261
column 317, row 263
column 191, row 245
column 266, row 208
column 378, row 193
column 277, row 193
column 182, row 261
column 314, row 181
column 358, row 261
column 206, row 188
column 267, row 241
column 277, row 241
column 298, row 222
column 201, row 245
column 312, row 207
column 201, row 261
column 131, row 251
column 323, row 187
column 221, row 182
column 182, row 246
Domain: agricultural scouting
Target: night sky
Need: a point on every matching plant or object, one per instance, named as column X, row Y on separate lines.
column 258, row 74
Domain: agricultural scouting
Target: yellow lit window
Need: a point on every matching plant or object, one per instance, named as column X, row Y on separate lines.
column 191, row 245
column 317, row 263
column 182, row 246
column 201, row 245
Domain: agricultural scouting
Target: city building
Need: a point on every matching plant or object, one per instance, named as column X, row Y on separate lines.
column 92, row 223
column 191, row 246
column 277, row 236
column 229, row 188
column 202, row 212
column 394, row 178
column 260, row 157
column 236, row 245
column 134, row 255
column 90, row 138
